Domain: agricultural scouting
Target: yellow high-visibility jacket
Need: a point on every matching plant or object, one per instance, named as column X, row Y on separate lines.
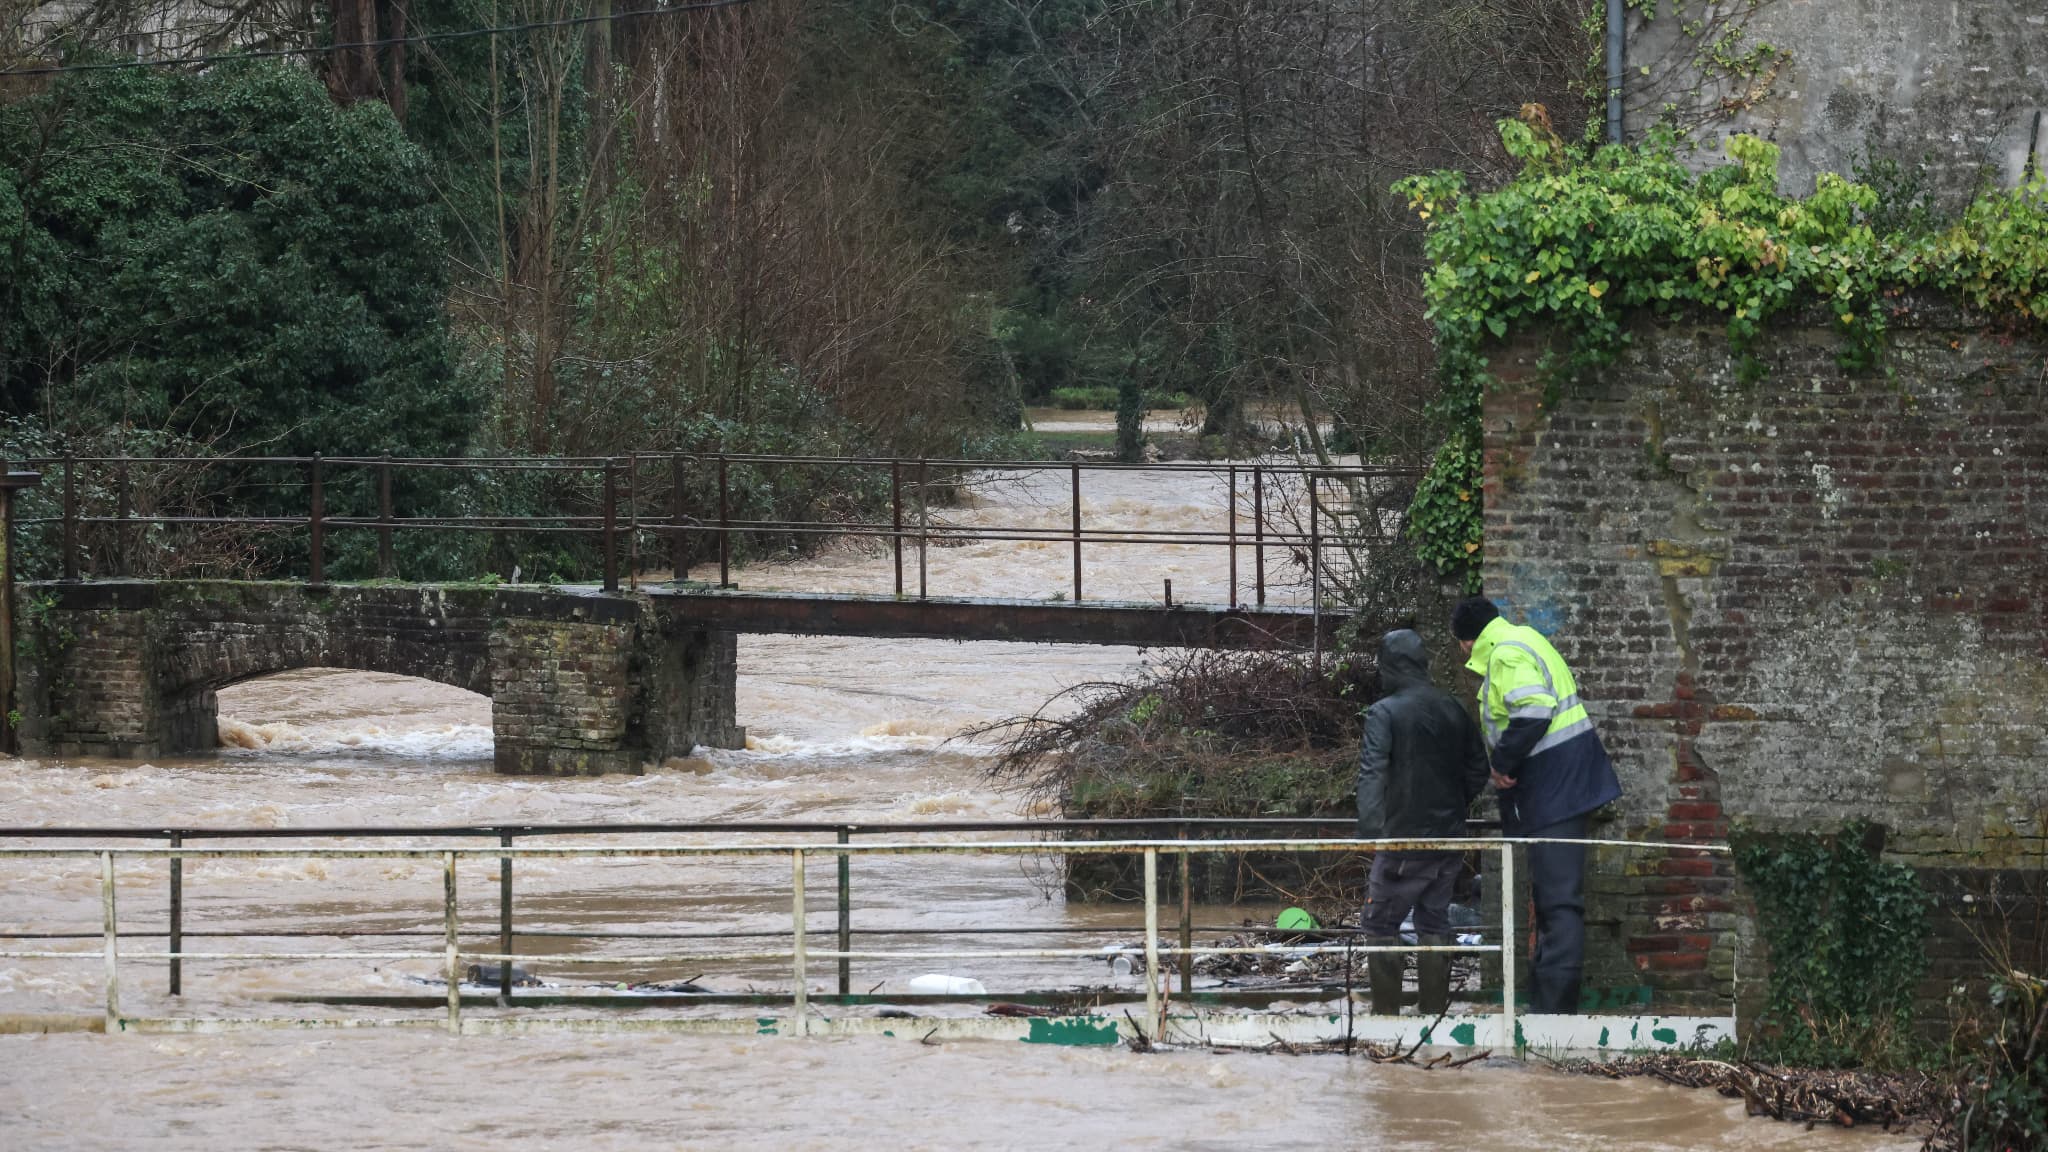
column 1561, row 770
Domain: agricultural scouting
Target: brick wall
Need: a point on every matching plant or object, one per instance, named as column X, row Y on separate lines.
column 1791, row 602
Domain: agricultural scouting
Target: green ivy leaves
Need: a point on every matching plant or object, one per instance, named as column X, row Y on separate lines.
column 1581, row 241
column 1846, row 932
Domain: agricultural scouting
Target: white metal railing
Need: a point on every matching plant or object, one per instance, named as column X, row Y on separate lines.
column 799, row 955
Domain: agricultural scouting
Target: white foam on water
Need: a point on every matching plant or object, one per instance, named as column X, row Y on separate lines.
column 363, row 738
column 874, row 739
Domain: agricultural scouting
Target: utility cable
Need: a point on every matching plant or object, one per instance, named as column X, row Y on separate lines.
column 328, row 49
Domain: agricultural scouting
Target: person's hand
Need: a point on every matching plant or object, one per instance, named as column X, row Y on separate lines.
column 1503, row 782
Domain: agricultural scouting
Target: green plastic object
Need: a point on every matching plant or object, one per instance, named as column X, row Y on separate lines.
column 1295, row 920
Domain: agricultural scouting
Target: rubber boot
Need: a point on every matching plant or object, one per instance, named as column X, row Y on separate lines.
column 1433, row 979
column 1383, row 979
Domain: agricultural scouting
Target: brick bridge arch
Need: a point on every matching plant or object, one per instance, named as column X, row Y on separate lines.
column 578, row 683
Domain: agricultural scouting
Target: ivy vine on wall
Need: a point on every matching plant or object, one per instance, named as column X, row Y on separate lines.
column 1584, row 240
column 1846, row 931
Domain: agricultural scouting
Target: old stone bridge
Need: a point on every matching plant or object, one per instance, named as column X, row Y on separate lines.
column 581, row 681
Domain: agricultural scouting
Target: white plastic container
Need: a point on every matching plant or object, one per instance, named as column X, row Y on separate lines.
column 934, row 984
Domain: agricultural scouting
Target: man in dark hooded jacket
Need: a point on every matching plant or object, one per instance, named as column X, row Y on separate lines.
column 1422, row 763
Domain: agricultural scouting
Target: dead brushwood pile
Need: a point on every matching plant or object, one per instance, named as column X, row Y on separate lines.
column 1199, row 734
column 1846, row 1098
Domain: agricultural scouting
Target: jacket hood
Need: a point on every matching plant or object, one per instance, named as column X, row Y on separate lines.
column 1404, row 663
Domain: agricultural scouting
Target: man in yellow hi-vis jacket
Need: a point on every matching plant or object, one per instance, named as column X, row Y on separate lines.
column 1551, row 772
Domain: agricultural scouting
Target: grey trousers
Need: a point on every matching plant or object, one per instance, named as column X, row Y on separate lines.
column 1557, row 884
column 1402, row 882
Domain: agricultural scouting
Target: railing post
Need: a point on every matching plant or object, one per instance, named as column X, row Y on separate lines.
column 505, row 918
column 801, row 1009
column 1187, row 917
column 452, row 963
column 124, row 508
column 1508, row 1029
column 318, row 573
column 1233, row 535
column 1315, row 573
column 113, row 942
column 10, row 482
column 1153, row 1012
column 633, row 521
column 1259, row 533
column 387, row 564
column 896, row 520
column 845, row 913
column 177, row 918
column 70, row 518
column 724, row 527
column 679, row 505
column 1076, row 472
column 611, row 502
column 924, row 523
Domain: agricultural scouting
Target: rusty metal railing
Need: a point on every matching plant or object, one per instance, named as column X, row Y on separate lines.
column 1195, row 830
column 799, row 955
column 689, row 498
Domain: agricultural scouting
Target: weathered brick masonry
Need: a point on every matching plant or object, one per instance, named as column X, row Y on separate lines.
column 579, row 683
column 1819, row 596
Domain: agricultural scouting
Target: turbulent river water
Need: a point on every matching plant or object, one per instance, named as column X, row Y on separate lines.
column 840, row 730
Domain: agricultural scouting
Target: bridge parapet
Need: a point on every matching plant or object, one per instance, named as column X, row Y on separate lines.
column 579, row 683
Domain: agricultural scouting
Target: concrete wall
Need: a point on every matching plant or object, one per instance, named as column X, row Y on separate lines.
column 1955, row 83
column 579, row 684
column 1816, row 597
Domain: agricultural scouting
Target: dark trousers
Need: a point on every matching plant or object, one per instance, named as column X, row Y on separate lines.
column 1404, row 882
column 1557, row 883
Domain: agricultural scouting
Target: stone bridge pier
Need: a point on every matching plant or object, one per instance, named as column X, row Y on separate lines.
column 580, row 683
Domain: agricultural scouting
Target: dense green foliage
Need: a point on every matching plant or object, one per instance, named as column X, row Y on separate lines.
column 223, row 258
column 2004, row 1099
column 1582, row 243
column 1846, row 933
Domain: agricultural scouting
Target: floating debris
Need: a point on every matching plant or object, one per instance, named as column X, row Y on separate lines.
column 1847, row 1098
column 495, row 974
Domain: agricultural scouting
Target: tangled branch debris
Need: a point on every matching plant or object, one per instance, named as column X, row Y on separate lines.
column 1847, row 1098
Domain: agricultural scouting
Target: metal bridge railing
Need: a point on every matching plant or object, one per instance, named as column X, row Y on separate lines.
column 800, row 954
column 1181, row 827
column 695, row 502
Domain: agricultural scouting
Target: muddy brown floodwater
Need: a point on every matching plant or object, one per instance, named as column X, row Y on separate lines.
column 851, row 730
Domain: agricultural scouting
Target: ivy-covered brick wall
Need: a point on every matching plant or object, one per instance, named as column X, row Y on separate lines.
column 1791, row 599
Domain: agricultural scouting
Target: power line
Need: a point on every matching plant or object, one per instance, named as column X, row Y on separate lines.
column 328, row 49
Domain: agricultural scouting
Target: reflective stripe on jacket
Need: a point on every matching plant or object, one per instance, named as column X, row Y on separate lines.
column 1567, row 773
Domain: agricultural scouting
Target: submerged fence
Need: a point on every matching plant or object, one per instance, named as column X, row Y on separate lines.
column 801, row 954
